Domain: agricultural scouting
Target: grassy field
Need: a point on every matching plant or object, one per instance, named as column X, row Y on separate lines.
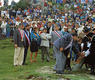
column 36, row 71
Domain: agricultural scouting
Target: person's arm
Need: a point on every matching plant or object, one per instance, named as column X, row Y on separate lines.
column 75, row 48
column 15, row 38
column 61, row 44
column 52, row 38
column 43, row 37
column 48, row 36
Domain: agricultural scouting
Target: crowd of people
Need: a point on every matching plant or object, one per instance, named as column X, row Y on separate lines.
column 66, row 31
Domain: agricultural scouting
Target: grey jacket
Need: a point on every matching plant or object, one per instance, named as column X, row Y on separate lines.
column 17, row 39
column 63, row 42
column 45, row 39
column 54, row 36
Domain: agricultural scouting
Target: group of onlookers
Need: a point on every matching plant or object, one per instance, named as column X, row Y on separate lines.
column 67, row 31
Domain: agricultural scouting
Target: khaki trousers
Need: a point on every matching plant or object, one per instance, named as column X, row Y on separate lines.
column 19, row 56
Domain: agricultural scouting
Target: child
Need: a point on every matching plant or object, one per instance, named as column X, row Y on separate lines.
column 45, row 44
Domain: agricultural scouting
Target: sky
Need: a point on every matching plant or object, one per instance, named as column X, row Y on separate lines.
column 9, row 1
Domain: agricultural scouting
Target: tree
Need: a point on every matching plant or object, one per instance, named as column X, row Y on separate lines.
column 21, row 4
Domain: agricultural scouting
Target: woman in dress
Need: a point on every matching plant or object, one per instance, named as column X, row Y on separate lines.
column 35, row 42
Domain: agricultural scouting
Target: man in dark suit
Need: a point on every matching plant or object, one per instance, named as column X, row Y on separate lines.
column 27, row 42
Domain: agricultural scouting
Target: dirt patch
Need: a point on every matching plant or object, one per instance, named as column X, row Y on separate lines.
column 46, row 69
column 35, row 77
column 92, row 77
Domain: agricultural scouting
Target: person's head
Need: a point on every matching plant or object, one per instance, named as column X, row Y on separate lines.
column 65, row 29
column 76, row 25
column 35, row 29
column 27, row 27
column 73, row 30
column 21, row 26
column 45, row 30
column 34, row 24
column 56, row 27
column 49, row 24
column 75, row 36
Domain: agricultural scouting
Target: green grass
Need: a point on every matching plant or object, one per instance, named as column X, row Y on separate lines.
column 9, row 72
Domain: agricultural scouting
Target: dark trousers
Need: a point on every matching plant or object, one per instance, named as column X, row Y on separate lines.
column 67, row 58
column 92, row 68
column 25, row 54
column 45, row 51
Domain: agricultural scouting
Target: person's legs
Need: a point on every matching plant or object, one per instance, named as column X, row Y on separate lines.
column 31, row 57
column 35, row 57
column 25, row 54
column 16, row 56
column 54, row 55
column 92, row 69
column 67, row 54
column 21, row 56
column 42, row 54
column 68, row 64
column 60, row 61
column 47, row 54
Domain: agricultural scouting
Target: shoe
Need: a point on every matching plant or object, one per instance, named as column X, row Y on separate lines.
column 69, row 69
column 34, row 60
column 59, row 72
column 92, row 73
column 15, row 65
column 31, row 61
column 42, row 61
column 24, row 64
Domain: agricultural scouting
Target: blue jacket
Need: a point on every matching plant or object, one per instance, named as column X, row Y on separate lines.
column 34, row 37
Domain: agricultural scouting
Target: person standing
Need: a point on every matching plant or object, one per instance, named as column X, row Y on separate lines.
column 45, row 44
column 8, row 30
column 35, row 43
column 19, row 41
column 27, row 39
column 3, row 26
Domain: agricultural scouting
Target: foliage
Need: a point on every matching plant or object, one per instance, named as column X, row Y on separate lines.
column 21, row 4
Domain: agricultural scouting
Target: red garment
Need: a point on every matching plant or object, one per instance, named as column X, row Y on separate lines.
column 45, row 4
column 17, row 19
